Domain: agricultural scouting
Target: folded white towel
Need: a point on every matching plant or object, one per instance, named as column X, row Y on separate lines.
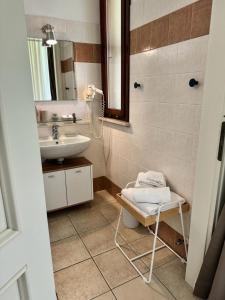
column 148, row 195
column 150, row 178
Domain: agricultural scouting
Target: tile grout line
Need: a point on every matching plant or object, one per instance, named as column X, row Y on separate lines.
column 73, row 235
column 128, row 244
column 92, row 257
column 72, row 265
column 90, row 254
column 103, row 295
column 165, row 287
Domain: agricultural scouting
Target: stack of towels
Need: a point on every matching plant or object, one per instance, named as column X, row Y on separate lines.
column 150, row 191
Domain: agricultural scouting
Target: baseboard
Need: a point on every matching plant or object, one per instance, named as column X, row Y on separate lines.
column 104, row 183
column 170, row 236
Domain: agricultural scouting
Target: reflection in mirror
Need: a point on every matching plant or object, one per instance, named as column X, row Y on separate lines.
column 115, row 37
column 114, row 53
column 52, row 70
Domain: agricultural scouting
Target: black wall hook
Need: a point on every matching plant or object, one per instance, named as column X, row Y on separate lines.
column 137, row 85
column 193, row 82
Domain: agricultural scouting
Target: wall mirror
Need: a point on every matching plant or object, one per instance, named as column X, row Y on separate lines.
column 52, row 70
column 115, row 36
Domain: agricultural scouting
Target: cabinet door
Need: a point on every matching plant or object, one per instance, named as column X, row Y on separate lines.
column 79, row 185
column 55, row 190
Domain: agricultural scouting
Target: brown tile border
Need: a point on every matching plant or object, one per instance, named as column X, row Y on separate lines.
column 166, row 233
column 67, row 65
column 186, row 23
column 86, row 52
column 201, row 16
column 180, row 25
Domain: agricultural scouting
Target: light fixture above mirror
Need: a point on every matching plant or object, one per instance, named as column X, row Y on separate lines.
column 49, row 40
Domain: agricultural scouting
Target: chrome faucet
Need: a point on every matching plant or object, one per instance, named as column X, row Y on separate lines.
column 55, row 132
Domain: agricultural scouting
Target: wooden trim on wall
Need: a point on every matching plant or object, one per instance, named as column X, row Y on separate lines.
column 189, row 22
column 123, row 113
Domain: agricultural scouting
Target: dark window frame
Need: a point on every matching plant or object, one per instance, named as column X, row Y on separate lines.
column 123, row 113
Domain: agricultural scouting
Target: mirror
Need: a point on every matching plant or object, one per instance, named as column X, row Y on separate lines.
column 115, row 37
column 52, row 70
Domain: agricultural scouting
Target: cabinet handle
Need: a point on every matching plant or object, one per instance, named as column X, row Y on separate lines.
column 51, row 176
column 79, row 171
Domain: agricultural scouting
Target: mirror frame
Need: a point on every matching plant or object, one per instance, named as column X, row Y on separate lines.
column 123, row 113
column 50, row 60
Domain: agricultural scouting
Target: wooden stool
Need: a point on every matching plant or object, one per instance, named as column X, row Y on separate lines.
column 179, row 206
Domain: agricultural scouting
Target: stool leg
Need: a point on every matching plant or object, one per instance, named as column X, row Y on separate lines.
column 118, row 225
column 154, row 247
column 182, row 227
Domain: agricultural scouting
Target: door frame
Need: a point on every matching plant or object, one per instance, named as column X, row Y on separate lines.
column 207, row 168
column 25, row 256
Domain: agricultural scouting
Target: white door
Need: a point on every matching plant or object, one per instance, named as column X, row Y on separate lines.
column 55, row 190
column 25, row 259
column 79, row 185
column 208, row 167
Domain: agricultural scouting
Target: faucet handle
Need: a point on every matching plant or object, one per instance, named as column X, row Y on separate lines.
column 74, row 117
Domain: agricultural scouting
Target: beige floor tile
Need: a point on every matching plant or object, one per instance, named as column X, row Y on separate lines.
column 54, row 216
column 145, row 244
column 80, row 282
column 138, row 263
column 138, row 290
column 107, row 296
column 115, row 267
column 110, row 211
column 100, row 239
column 104, row 197
column 60, row 228
column 87, row 219
column 68, row 252
column 172, row 276
column 131, row 234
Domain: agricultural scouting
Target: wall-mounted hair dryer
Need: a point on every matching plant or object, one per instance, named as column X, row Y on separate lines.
column 92, row 91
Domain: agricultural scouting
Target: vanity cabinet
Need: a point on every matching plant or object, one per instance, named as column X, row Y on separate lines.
column 79, row 185
column 68, row 184
column 55, row 190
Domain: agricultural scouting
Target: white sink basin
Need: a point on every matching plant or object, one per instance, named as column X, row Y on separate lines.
column 63, row 147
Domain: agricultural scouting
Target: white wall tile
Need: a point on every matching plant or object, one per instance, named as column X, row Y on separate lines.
column 164, row 116
column 71, row 30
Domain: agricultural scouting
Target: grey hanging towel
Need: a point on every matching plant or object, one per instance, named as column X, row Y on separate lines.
column 210, row 283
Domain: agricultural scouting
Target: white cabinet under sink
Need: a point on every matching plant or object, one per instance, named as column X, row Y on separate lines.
column 79, row 185
column 55, row 190
column 68, row 186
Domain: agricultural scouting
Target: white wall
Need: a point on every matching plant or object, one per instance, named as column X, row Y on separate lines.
column 165, row 113
column 77, row 10
column 208, row 167
column 71, row 30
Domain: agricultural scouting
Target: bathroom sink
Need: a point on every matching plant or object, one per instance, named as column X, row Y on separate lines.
column 63, row 147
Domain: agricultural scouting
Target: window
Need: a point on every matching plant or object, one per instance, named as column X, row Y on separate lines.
column 115, row 36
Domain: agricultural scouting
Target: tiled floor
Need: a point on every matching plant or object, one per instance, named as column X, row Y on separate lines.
column 88, row 266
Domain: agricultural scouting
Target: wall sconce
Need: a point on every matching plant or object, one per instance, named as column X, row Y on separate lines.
column 44, row 43
column 48, row 30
